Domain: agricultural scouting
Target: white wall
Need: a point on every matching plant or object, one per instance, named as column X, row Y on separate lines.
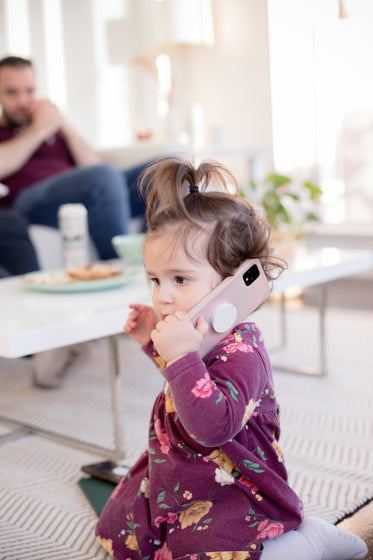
column 230, row 80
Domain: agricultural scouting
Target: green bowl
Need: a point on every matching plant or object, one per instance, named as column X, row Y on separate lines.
column 129, row 247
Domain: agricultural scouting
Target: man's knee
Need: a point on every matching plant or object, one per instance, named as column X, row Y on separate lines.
column 107, row 174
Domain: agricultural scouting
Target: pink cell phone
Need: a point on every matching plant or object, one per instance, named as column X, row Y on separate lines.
column 231, row 302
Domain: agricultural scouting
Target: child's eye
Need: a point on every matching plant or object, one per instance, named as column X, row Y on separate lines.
column 155, row 281
column 180, row 280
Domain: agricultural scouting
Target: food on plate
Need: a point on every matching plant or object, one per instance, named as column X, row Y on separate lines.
column 94, row 271
column 49, row 279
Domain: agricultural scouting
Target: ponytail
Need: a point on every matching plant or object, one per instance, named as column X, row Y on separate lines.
column 186, row 200
column 166, row 184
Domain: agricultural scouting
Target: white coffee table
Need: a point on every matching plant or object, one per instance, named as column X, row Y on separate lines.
column 317, row 267
column 32, row 322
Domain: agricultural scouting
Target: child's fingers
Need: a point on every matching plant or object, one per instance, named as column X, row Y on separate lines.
column 133, row 315
column 202, row 326
column 131, row 322
column 138, row 307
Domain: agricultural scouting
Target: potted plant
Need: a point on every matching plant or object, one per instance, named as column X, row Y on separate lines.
column 287, row 207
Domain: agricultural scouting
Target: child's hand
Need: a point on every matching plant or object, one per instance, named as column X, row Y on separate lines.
column 176, row 336
column 140, row 322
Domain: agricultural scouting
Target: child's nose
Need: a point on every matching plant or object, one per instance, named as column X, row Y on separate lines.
column 165, row 294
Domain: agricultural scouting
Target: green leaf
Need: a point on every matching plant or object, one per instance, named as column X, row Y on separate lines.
column 293, row 195
column 253, row 185
column 159, row 461
column 177, row 487
column 164, row 506
column 277, row 179
column 314, row 190
column 285, row 214
column 219, row 398
column 151, row 450
column 161, row 496
column 233, row 391
column 252, row 466
column 261, row 453
column 311, row 216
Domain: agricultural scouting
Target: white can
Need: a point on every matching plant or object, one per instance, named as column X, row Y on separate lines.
column 73, row 224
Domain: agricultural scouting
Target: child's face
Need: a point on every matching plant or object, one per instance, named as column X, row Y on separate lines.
column 179, row 282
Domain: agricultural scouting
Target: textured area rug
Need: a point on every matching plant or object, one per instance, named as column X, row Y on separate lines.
column 327, row 428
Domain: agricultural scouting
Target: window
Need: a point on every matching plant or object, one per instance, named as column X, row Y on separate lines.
column 322, row 90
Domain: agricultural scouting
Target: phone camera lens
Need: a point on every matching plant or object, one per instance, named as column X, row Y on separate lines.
column 251, row 275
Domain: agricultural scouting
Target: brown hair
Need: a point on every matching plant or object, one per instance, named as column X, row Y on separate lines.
column 15, row 62
column 237, row 232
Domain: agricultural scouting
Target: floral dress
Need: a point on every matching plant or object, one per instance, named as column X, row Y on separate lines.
column 212, row 483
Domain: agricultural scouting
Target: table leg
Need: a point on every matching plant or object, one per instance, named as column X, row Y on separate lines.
column 283, row 319
column 322, row 343
column 117, row 453
column 322, row 307
column 116, row 398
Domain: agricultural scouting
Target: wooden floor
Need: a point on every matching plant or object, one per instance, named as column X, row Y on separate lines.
column 361, row 523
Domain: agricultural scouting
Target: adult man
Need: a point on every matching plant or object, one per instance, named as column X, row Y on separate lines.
column 45, row 163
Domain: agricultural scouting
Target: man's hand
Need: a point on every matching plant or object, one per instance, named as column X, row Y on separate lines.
column 46, row 118
column 176, row 336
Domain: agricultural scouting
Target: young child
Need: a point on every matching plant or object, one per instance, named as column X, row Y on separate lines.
column 212, row 483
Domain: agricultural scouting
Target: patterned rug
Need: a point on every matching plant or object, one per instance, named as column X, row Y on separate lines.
column 327, row 427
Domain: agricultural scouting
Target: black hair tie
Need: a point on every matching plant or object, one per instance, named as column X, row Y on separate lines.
column 193, row 188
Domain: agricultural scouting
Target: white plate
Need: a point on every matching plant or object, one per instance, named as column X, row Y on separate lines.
column 37, row 284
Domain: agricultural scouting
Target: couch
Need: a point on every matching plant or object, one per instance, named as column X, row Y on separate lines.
column 47, row 241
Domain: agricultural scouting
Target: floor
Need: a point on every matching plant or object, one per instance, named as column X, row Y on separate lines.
column 357, row 294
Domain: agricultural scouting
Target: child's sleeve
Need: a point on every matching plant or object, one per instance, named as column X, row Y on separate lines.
column 213, row 403
column 153, row 355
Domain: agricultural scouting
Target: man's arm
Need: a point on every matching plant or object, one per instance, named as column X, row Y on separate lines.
column 46, row 120
column 80, row 151
column 14, row 153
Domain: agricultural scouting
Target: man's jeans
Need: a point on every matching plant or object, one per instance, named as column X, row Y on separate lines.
column 101, row 188
column 17, row 254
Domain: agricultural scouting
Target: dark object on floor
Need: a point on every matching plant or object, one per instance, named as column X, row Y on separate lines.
column 97, row 492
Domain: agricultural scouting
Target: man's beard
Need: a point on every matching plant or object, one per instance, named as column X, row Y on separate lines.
column 13, row 123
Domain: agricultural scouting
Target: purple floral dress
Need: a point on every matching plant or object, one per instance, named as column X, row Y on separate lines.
column 212, row 483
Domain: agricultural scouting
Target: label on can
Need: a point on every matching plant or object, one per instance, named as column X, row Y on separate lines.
column 73, row 224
